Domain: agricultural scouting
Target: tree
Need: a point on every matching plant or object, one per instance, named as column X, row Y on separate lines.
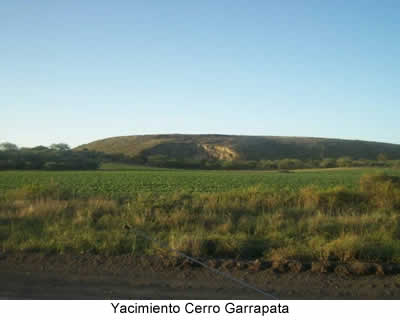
column 327, row 163
column 382, row 157
column 60, row 147
column 286, row 164
column 8, row 146
column 40, row 148
column 266, row 164
column 344, row 162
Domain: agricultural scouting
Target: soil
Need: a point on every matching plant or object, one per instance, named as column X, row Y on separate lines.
column 38, row 276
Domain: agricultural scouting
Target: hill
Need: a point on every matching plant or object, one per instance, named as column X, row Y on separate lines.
column 231, row 147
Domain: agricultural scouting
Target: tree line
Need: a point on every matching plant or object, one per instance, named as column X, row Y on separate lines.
column 60, row 156
column 56, row 157
column 282, row 164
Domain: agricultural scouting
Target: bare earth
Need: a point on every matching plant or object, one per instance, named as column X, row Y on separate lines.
column 35, row 276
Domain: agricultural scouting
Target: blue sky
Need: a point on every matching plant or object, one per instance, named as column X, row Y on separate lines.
column 77, row 71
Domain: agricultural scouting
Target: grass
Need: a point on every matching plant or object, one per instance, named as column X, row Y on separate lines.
column 306, row 222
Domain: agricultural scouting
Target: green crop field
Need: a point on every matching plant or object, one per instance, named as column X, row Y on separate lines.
column 122, row 183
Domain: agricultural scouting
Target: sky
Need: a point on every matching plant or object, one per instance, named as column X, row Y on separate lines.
column 78, row 71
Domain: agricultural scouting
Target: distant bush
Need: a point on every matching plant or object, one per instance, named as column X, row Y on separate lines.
column 267, row 165
column 290, row 164
column 344, row 162
column 328, row 163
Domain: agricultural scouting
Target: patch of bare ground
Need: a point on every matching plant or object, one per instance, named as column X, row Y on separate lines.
column 39, row 276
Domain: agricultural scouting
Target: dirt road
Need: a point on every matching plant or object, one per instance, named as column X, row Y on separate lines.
column 92, row 277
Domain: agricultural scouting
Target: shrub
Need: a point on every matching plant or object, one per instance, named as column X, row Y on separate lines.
column 339, row 198
column 383, row 190
column 333, row 200
column 344, row 248
column 309, row 197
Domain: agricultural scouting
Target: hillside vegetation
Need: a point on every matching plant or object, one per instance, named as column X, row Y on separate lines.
column 150, row 148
